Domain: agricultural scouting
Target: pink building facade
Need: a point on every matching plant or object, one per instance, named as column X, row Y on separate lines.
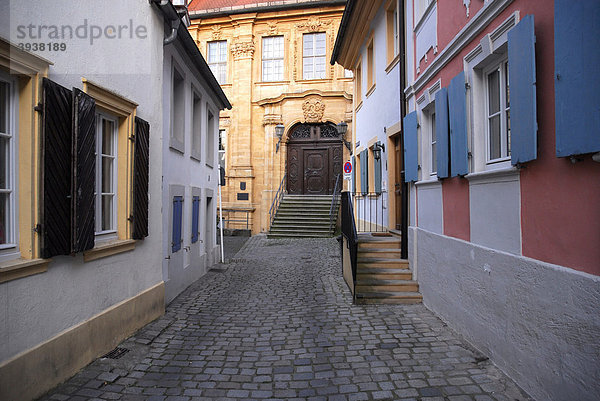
column 502, row 152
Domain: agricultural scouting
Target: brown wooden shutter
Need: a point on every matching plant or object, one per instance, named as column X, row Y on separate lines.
column 140, row 179
column 56, row 170
column 84, row 171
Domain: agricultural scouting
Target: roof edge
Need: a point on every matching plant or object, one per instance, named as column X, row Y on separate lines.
column 342, row 30
column 170, row 14
column 270, row 6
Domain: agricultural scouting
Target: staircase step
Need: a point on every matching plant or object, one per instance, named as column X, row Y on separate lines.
column 298, row 235
column 382, row 253
column 362, row 269
column 372, row 261
column 388, row 297
column 387, row 286
column 383, row 274
column 379, row 244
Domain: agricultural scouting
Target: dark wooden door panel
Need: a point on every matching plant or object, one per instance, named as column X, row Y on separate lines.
column 398, row 180
column 316, row 171
column 295, row 170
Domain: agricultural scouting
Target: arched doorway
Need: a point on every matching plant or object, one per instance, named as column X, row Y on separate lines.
column 314, row 159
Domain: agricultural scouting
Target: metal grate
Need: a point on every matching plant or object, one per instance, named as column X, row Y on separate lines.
column 115, row 353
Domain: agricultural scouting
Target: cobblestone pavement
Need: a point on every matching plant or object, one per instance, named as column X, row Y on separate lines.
column 278, row 323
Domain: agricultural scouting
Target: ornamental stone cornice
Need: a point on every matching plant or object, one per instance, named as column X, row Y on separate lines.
column 313, row 24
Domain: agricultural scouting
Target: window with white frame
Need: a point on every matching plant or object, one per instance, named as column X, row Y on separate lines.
column 196, row 125
column 432, row 145
column 106, row 174
column 348, row 73
column 497, row 113
column 217, row 59
column 420, row 8
column 222, row 140
column 272, row 58
column 177, row 140
column 313, row 55
column 210, row 138
column 7, row 166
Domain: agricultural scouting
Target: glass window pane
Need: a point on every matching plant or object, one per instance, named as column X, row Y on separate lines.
column 433, row 158
column 508, row 132
column 107, row 136
column 494, row 92
column 308, row 45
column 495, row 139
column 4, row 162
column 4, row 92
column 320, row 44
column 433, row 137
column 4, row 218
column 107, row 209
column 506, row 83
column 107, row 174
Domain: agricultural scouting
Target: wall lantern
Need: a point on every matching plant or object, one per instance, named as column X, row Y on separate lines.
column 342, row 127
column 377, row 148
column 279, row 128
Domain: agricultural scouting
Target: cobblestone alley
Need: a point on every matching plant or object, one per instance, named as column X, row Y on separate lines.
column 278, row 323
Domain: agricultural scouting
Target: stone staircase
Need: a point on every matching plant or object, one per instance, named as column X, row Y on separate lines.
column 304, row 216
column 382, row 277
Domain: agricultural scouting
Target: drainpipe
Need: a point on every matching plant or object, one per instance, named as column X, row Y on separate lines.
column 173, row 35
column 403, row 184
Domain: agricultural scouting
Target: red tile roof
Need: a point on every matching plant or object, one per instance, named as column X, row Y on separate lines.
column 201, row 6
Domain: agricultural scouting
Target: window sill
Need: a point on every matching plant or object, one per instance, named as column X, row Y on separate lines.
column 19, row 268
column 432, row 181
column 272, row 83
column 371, row 90
column 109, row 249
column 313, row 81
column 196, row 158
column 392, row 64
column 177, row 149
column 502, row 174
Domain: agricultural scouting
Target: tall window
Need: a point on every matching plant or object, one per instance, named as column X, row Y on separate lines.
column 420, row 8
column 272, row 58
column 370, row 65
column 217, row 59
column 313, row 55
column 196, row 125
column 210, row 138
column 106, row 174
column 7, row 167
column 433, row 145
column 177, row 140
column 358, row 83
column 393, row 44
column 222, row 140
column 498, row 113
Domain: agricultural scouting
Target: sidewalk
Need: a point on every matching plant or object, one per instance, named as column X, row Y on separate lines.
column 278, row 323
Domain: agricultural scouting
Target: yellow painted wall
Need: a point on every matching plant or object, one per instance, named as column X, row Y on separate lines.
column 250, row 149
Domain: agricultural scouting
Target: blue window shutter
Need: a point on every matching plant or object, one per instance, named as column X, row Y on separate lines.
column 177, row 209
column 442, row 133
column 377, row 167
column 411, row 148
column 364, row 171
column 195, row 218
column 353, row 174
column 521, row 81
column 576, row 83
column 457, row 108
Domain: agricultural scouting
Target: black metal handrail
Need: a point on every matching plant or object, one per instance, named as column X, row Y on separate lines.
column 232, row 220
column 333, row 201
column 349, row 232
column 371, row 211
column 277, row 200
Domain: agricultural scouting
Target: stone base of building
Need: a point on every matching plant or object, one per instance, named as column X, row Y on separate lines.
column 538, row 322
column 35, row 371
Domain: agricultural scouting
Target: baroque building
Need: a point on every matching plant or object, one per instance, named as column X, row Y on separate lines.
column 272, row 63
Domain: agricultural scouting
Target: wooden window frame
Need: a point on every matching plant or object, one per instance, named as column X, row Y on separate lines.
column 315, row 56
column 281, row 58
column 370, row 65
column 216, row 66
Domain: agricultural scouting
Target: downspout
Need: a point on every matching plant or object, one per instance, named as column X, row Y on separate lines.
column 403, row 184
column 173, row 35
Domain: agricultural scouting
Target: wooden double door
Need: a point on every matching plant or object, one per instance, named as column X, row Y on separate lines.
column 314, row 160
